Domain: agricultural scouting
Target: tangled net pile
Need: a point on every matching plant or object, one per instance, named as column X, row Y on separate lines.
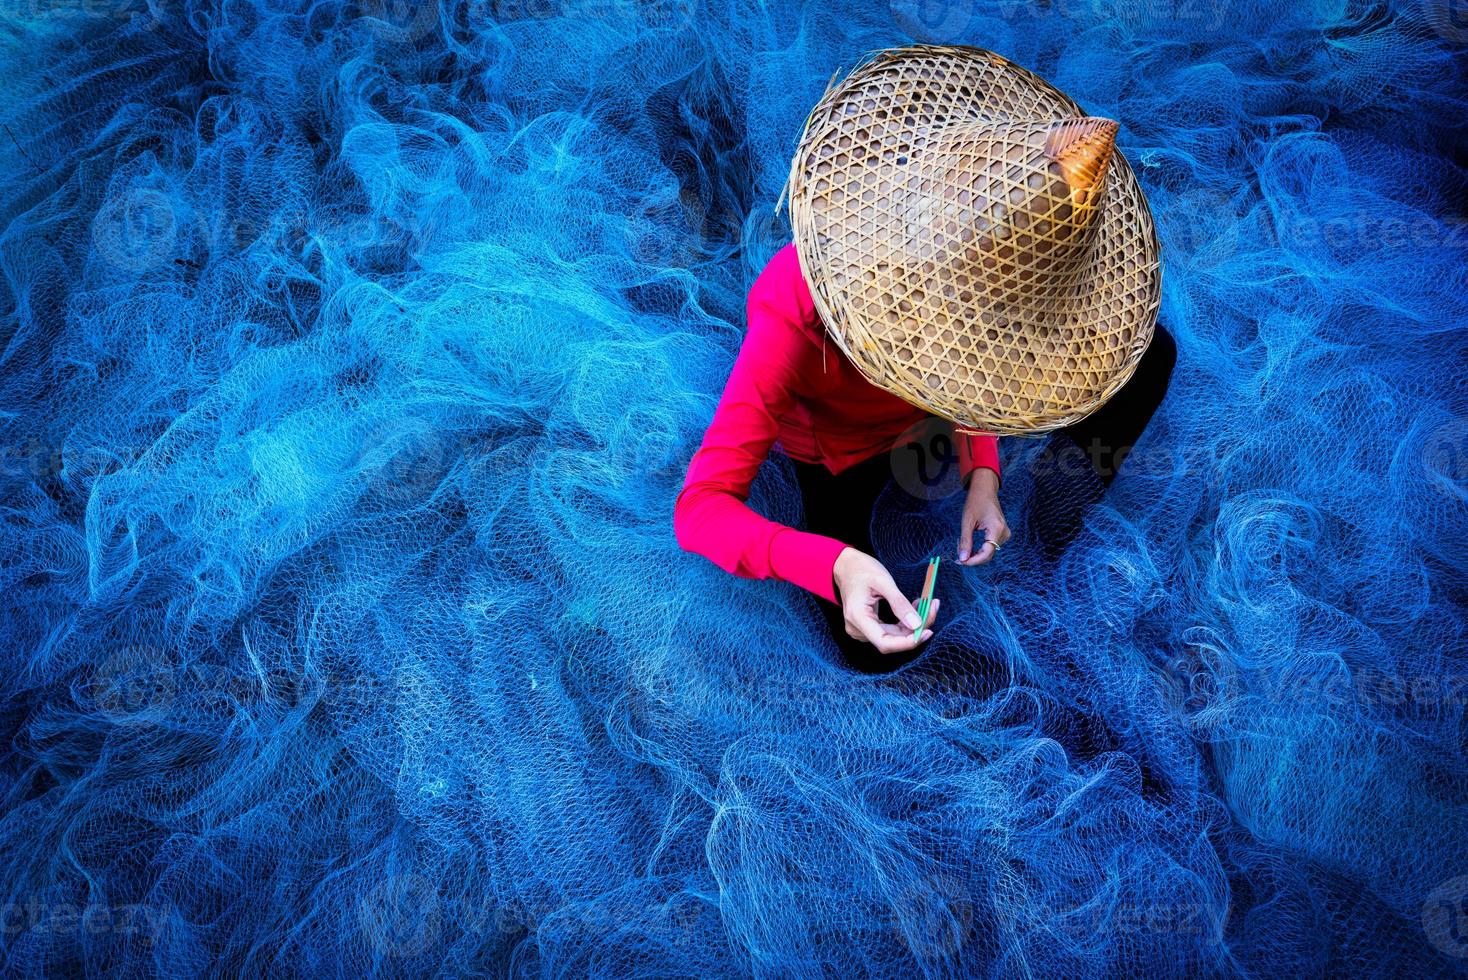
column 351, row 357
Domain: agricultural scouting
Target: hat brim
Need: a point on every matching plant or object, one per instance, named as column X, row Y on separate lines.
column 1033, row 373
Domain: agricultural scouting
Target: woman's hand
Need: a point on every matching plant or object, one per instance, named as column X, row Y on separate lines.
column 982, row 511
column 862, row 582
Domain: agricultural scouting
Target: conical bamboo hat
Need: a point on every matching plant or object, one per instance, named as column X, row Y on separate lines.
column 973, row 241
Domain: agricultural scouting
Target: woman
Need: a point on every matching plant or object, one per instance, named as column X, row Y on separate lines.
column 785, row 387
column 991, row 280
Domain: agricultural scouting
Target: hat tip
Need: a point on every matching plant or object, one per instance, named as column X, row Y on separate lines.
column 1083, row 147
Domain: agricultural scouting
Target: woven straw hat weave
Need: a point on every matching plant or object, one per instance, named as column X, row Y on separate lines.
column 973, row 242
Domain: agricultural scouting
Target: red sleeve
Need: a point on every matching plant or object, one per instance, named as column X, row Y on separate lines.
column 711, row 516
column 977, row 452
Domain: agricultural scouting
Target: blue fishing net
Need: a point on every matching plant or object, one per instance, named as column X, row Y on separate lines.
column 351, row 357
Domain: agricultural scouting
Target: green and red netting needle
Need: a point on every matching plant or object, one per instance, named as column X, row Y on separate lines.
column 927, row 600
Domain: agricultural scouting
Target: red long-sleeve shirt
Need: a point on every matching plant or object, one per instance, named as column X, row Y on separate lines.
column 789, row 386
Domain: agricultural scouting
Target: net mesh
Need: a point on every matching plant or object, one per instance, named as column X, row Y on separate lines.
column 351, row 356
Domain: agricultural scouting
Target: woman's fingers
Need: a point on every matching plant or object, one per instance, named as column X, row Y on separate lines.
column 901, row 607
column 965, row 539
column 994, row 539
column 892, row 638
column 872, row 630
column 983, row 553
column 862, row 620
